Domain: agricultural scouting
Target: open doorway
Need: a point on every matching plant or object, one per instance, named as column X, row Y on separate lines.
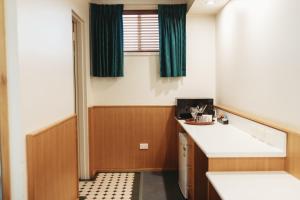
column 80, row 94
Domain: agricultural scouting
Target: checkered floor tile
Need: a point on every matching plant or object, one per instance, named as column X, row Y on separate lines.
column 117, row 186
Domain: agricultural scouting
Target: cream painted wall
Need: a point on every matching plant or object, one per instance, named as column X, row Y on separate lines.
column 258, row 62
column 46, row 61
column 40, row 72
column 142, row 84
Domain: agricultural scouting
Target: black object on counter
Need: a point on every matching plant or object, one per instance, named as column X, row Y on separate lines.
column 183, row 107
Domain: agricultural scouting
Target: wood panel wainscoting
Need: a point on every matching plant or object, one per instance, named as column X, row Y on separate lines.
column 293, row 154
column 117, row 131
column 4, row 130
column 52, row 162
column 246, row 164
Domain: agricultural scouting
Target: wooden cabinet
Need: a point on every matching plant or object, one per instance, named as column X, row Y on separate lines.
column 212, row 193
column 201, row 181
column 191, row 169
column 198, row 166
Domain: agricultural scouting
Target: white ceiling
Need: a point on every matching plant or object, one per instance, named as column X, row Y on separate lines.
column 138, row 2
column 201, row 7
column 195, row 6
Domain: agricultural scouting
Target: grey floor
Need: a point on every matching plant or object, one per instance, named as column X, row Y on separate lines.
column 160, row 186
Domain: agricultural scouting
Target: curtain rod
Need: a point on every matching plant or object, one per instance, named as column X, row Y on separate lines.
column 140, row 7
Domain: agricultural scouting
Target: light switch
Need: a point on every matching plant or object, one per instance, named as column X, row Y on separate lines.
column 144, row 146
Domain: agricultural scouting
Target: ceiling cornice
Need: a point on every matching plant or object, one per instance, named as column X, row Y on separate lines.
column 139, row 2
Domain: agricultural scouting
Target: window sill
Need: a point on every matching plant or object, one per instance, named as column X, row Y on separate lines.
column 141, row 53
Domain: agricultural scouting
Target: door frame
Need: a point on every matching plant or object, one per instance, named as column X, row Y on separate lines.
column 4, row 130
column 80, row 91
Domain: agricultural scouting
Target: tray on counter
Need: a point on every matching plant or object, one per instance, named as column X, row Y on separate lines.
column 193, row 122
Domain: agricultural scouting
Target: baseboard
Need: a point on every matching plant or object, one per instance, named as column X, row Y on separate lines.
column 132, row 170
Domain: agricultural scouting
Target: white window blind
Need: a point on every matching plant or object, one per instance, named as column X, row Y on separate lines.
column 141, row 32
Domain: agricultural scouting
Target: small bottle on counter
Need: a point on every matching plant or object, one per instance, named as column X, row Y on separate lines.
column 223, row 119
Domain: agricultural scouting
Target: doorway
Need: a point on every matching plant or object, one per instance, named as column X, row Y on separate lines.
column 80, row 94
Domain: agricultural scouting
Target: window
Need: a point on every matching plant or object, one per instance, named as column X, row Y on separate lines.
column 141, row 31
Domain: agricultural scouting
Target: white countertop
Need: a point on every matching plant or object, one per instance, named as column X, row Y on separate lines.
column 220, row 140
column 255, row 185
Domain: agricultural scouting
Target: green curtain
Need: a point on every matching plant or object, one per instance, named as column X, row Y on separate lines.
column 106, row 37
column 172, row 34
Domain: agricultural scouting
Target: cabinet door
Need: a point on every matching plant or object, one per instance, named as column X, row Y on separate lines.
column 212, row 193
column 197, row 168
column 201, row 181
column 191, row 169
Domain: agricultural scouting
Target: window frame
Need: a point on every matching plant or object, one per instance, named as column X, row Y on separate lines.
column 140, row 12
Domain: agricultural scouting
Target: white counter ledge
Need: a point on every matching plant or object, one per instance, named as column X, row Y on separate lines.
column 219, row 140
column 255, row 185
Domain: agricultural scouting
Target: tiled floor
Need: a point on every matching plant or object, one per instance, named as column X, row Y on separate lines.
column 118, row 186
column 132, row 186
column 160, row 186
